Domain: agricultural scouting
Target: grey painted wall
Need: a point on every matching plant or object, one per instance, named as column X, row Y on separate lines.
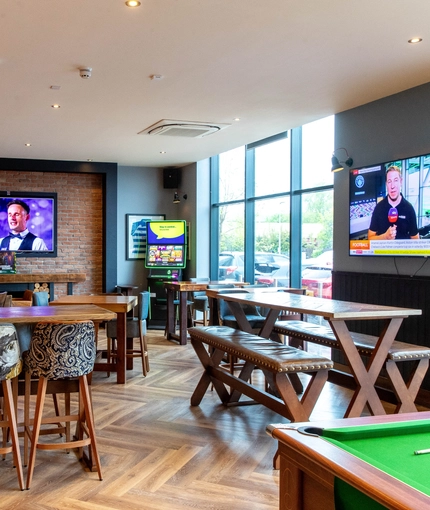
column 394, row 127
column 140, row 190
column 136, row 195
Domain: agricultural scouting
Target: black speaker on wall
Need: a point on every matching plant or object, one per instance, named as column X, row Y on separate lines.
column 171, row 178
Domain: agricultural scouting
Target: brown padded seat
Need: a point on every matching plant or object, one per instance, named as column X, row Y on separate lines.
column 265, row 353
column 306, row 331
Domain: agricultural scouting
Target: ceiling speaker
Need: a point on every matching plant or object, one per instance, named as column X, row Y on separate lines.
column 171, row 178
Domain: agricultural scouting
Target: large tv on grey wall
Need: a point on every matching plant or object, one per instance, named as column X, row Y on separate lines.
column 389, row 208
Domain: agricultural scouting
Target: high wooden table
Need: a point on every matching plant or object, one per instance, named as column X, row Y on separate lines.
column 182, row 289
column 336, row 313
column 372, row 457
column 119, row 305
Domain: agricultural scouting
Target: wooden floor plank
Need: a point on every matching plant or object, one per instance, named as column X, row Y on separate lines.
column 158, row 452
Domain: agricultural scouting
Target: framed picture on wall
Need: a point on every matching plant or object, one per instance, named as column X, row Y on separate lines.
column 136, row 234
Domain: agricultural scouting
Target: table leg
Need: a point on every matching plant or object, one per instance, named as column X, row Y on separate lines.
column 170, row 319
column 121, row 346
column 183, row 318
column 366, row 377
column 240, row 317
column 213, row 312
column 129, row 348
column 267, row 328
column 406, row 392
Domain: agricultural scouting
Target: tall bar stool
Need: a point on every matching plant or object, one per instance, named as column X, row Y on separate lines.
column 136, row 328
column 200, row 302
column 41, row 298
column 10, row 367
column 61, row 350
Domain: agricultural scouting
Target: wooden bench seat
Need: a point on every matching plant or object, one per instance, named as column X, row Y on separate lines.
column 277, row 362
column 405, row 392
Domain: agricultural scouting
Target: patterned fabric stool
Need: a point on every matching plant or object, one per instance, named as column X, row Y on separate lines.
column 61, row 350
column 10, row 367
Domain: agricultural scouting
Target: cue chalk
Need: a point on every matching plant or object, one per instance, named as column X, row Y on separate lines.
column 421, row 452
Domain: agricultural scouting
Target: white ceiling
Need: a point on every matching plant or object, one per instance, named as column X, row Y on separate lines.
column 275, row 64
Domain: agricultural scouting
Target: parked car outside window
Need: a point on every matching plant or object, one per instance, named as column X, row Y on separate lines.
column 270, row 268
column 317, row 279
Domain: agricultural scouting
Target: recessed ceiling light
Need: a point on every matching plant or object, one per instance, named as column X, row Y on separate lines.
column 415, row 40
column 237, row 119
column 132, row 3
column 56, row 106
column 27, row 144
column 89, row 160
column 162, row 152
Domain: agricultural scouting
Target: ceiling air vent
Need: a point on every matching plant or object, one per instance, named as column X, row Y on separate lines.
column 186, row 128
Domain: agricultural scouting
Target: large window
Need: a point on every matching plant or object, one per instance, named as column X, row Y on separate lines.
column 272, row 167
column 232, row 175
column 317, row 149
column 274, row 210
column 272, row 241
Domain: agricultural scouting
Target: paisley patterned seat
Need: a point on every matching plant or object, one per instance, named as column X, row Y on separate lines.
column 10, row 367
column 61, row 350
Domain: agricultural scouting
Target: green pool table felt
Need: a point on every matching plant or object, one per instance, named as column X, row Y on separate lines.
column 388, row 447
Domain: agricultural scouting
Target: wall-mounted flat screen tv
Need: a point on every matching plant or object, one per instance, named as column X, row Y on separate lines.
column 28, row 223
column 389, row 211
column 166, row 244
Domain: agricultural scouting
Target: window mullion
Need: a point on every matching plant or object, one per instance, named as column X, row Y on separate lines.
column 296, row 208
column 249, row 215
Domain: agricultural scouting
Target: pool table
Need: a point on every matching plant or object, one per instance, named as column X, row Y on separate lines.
column 355, row 463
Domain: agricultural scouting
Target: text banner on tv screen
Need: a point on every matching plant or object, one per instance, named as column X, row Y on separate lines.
column 389, row 208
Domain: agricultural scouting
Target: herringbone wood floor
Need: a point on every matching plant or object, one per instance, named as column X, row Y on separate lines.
column 158, row 452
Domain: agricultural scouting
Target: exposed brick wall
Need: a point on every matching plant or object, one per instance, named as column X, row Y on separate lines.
column 79, row 224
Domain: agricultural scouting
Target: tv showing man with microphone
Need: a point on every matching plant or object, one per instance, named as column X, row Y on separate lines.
column 393, row 217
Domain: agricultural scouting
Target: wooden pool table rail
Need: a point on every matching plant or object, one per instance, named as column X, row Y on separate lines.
column 309, row 465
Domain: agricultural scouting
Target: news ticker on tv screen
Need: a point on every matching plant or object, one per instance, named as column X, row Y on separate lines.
column 401, row 247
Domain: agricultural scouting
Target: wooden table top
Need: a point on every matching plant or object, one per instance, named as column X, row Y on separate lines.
column 31, row 314
column 188, row 286
column 330, row 309
column 117, row 304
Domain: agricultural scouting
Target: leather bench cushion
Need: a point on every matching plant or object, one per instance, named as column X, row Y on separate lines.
column 265, row 353
column 399, row 351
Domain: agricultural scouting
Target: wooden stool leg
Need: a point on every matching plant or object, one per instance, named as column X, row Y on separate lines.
column 4, row 431
column 143, row 350
column 143, row 355
column 57, row 410
column 11, row 422
column 37, row 421
column 109, row 351
column 89, row 418
column 27, row 430
column 67, row 413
